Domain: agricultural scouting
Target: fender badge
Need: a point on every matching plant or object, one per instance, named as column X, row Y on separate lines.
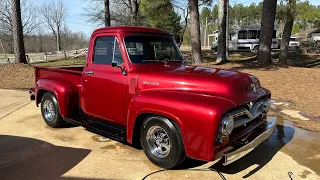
column 151, row 83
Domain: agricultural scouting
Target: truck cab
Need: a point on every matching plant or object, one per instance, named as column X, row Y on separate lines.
column 136, row 87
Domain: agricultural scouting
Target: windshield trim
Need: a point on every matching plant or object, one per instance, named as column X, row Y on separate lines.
column 152, row 34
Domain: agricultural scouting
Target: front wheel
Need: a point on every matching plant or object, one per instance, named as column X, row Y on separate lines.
column 162, row 142
column 50, row 111
column 255, row 49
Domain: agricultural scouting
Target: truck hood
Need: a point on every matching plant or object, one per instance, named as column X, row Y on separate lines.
column 232, row 85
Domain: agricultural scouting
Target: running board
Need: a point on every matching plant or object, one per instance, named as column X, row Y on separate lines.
column 100, row 127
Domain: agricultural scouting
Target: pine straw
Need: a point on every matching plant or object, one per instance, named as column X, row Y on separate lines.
column 16, row 76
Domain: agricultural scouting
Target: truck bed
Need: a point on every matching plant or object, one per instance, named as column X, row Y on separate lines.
column 71, row 75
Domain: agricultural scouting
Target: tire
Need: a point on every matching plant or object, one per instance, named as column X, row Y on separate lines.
column 255, row 49
column 50, row 111
column 156, row 125
column 215, row 49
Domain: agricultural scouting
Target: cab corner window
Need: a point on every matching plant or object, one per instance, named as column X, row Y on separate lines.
column 106, row 49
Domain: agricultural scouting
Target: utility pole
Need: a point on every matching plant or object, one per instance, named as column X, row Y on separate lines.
column 227, row 30
column 205, row 33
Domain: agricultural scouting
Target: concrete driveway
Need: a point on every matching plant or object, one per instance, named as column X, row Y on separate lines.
column 31, row 150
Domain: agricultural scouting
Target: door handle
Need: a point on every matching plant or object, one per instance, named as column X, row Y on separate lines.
column 89, row 73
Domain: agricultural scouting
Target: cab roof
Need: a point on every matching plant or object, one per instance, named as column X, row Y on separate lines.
column 136, row 29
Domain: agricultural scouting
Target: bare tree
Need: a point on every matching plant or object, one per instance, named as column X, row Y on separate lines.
column 19, row 51
column 53, row 14
column 28, row 17
column 195, row 31
column 122, row 12
column 134, row 12
column 266, row 32
column 222, row 32
column 106, row 13
column 185, row 11
column 291, row 7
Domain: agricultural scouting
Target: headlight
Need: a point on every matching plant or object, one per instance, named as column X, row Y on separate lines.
column 255, row 85
column 267, row 105
column 226, row 126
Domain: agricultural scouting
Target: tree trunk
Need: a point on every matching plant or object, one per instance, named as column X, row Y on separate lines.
column 58, row 39
column 287, row 32
column 18, row 42
column 195, row 32
column 134, row 13
column 222, row 18
column 184, row 28
column 266, row 31
column 106, row 13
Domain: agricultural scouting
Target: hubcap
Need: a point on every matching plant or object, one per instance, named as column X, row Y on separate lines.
column 158, row 141
column 48, row 110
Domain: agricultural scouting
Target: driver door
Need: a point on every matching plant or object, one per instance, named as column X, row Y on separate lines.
column 104, row 86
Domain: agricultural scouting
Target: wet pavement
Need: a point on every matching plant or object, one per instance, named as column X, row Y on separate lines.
column 31, row 150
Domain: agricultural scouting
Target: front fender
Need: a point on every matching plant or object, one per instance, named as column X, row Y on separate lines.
column 67, row 95
column 198, row 117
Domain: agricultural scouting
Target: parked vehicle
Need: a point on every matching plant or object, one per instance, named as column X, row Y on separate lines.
column 244, row 38
column 135, row 87
column 294, row 42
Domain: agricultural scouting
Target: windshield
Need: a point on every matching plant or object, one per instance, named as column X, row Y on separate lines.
column 293, row 39
column 146, row 49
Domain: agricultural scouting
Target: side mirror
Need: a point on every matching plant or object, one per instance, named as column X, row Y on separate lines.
column 115, row 63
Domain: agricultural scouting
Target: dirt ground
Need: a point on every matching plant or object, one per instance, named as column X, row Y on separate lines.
column 298, row 83
column 31, row 150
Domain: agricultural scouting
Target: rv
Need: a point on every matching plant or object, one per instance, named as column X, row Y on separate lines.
column 244, row 38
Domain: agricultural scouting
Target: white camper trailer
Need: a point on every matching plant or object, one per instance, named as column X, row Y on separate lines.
column 243, row 38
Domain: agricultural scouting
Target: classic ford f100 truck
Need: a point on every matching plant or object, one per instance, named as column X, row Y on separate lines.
column 136, row 87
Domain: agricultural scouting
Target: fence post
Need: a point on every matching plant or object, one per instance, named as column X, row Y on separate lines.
column 45, row 56
column 28, row 60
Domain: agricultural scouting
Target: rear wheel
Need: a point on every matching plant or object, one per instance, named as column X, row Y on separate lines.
column 255, row 49
column 162, row 142
column 50, row 111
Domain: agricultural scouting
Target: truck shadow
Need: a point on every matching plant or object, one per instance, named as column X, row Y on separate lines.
column 28, row 158
column 261, row 155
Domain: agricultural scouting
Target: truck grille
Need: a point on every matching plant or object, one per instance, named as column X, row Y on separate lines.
column 245, row 114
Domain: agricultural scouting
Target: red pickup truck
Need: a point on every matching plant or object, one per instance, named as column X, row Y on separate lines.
column 136, row 87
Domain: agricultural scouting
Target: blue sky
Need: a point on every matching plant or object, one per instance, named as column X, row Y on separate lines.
column 77, row 22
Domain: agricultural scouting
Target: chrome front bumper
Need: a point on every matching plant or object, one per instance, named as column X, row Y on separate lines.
column 244, row 150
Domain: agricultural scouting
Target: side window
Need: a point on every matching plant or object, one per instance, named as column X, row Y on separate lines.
column 242, row 35
column 106, row 49
column 274, row 35
column 252, row 34
column 258, row 35
column 117, row 52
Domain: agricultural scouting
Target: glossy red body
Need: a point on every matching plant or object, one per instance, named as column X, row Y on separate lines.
column 194, row 97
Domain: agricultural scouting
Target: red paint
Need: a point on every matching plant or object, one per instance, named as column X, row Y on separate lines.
column 194, row 97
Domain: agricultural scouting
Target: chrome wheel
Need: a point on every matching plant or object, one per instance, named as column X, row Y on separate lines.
column 48, row 110
column 158, row 141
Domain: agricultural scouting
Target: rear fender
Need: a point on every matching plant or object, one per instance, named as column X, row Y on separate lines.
column 197, row 116
column 67, row 95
